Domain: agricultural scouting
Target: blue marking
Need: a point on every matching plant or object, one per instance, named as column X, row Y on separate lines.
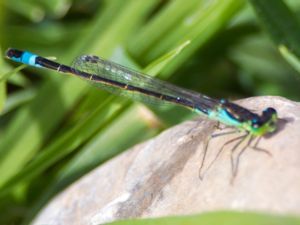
column 27, row 58
column 16, row 59
column 223, row 101
column 223, row 116
column 254, row 120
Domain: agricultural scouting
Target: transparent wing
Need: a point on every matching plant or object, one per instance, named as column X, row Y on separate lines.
column 113, row 71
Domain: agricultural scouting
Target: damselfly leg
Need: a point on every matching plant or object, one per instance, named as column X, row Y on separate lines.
column 235, row 163
column 220, row 150
column 256, row 148
column 237, row 143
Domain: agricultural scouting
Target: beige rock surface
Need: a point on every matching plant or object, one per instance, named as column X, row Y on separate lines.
column 160, row 177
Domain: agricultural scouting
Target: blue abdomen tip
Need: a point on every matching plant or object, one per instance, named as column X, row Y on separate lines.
column 29, row 58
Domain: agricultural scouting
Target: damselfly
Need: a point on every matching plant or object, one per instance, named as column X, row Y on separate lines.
column 120, row 80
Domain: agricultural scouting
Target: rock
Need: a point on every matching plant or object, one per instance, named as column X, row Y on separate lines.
column 161, row 176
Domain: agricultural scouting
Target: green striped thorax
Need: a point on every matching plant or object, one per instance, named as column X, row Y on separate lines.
column 234, row 115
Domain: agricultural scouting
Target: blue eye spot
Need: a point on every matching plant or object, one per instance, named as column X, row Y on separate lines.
column 222, row 101
column 255, row 121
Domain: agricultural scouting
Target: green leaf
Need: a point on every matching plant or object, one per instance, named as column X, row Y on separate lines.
column 18, row 98
column 2, row 95
column 216, row 218
column 290, row 57
column 283, row 27
column 156, row 29
column 200, row 26
column 28, row 9
column 5, row 76
column 66, row 143
column 155, row 67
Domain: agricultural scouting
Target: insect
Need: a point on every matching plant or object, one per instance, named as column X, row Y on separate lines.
column 123, row 81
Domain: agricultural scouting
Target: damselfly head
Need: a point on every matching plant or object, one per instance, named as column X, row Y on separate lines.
column 270, row 117
column 269, row 112
column 266, row 123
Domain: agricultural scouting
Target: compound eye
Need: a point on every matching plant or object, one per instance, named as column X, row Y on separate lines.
column 269, row 111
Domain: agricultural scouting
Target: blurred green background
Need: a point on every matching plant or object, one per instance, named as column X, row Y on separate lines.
column 54, row 128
